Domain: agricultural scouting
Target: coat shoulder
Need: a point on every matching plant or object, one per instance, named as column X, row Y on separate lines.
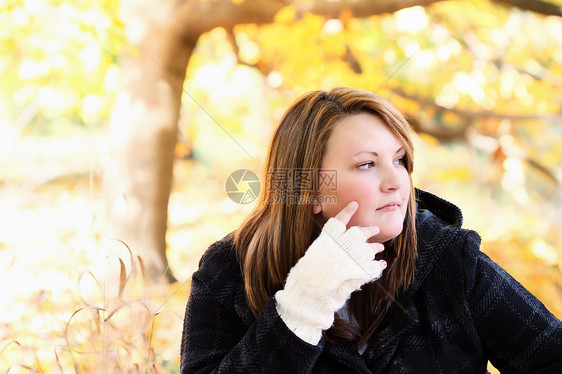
column 220, row 273
column 218, row 264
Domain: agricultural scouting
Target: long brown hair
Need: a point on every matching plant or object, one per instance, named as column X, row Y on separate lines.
column 280, row 228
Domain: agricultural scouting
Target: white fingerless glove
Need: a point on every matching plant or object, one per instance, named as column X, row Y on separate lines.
column 337, row 263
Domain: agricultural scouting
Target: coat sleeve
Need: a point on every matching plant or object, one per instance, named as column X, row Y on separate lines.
column 518, row 332
column 216, row 340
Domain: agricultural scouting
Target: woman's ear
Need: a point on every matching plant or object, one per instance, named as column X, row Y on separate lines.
column 316, row 207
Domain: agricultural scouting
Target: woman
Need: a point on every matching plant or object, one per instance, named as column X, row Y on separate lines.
column 296, row 288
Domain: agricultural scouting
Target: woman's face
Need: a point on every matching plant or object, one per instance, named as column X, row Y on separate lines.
column 368, row 160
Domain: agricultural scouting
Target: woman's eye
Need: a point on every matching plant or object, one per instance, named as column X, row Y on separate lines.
column 366, row 165
column 400, row 161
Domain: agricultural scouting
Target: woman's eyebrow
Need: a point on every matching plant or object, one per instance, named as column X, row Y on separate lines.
column 401, row 149
column 369, row 152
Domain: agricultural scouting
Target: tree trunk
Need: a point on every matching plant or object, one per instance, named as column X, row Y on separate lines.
column 143, row 132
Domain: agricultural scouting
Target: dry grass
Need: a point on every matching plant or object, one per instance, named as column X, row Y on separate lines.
column 73, row 301
column 119, row 324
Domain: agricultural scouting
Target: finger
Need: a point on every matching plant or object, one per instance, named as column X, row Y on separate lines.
column 362, row 253
column 377, row 247
column 347, row 212
column 369, row 231
column 375, row 268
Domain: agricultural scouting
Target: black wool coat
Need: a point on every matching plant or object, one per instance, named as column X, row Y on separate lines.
column 461, row 310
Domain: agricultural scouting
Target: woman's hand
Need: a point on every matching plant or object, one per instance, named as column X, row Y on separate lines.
column 337, row 263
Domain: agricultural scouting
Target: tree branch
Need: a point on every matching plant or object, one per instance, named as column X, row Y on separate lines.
column 475, row 46
column 232, row 40
column 192, row 18
column 476, row 114
column 360, row 8
column 260, row 65
column 537, row 6
column 197, row 17
column 442, row 134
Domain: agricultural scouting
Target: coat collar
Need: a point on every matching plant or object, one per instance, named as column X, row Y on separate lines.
column 437, row 222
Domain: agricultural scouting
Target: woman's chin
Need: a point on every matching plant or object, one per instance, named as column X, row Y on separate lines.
column 385, row 235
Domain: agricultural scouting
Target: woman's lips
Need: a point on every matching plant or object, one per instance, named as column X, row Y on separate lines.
column 389, row 207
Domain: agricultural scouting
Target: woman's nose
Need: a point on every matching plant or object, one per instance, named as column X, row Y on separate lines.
column 390, row 180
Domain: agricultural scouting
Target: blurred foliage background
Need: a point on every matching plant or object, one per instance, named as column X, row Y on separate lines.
column 480, row 83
